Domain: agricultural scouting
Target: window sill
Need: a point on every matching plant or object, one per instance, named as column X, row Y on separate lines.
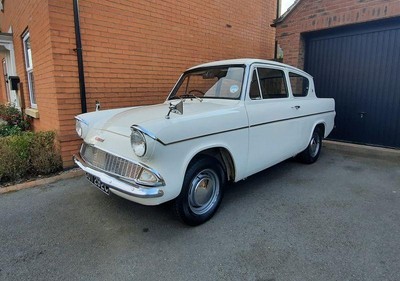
column 32, row 112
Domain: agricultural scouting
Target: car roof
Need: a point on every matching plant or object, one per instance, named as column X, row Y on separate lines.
column 247, row 62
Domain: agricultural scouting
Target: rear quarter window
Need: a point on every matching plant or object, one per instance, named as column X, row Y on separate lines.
column 300, row 84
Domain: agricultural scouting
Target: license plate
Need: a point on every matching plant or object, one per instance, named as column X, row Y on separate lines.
column 98, row 183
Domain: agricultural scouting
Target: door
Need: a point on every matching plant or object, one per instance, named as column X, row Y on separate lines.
column 273, row 127
column 359, row 67
column 8, row 64
column 7, row 83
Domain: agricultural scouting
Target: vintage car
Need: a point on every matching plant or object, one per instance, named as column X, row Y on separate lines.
column 222, row 122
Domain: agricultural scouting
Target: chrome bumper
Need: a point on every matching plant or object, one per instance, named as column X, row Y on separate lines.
column 114, row 183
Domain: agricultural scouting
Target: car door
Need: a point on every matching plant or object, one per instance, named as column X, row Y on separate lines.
column 300, row 87
column 272, row 113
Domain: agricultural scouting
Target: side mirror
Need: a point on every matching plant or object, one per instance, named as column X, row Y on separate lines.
column 175, row 108
column 98, row 105
column 14, row 82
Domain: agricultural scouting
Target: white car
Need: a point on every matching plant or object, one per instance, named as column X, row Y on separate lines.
column 222, row 122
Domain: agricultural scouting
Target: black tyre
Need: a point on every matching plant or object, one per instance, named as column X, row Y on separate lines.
column 311, row 153
column 202, row 191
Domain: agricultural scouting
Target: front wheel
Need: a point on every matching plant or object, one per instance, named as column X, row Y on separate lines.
column 202, row 191
column 311, row 153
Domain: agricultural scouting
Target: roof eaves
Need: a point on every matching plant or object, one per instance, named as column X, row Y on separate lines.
column 283, row 17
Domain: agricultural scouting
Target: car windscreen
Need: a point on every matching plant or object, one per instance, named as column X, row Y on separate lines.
column 223, row 82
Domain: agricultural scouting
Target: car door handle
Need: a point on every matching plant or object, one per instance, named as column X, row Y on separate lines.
column 296, row 107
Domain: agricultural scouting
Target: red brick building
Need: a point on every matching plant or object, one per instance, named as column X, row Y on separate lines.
column 133, row 51
column 306, row 16
column 352, row 48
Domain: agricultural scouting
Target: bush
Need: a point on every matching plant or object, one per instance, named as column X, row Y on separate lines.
column 12, row 121
column 6, row 130
column 28, row 154
column 44, row 156
column 14, row 156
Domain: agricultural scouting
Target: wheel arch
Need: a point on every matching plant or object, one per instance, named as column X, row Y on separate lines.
column 321, row 125
column 222, row 155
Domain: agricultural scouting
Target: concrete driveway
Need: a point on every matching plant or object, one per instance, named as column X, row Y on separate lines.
column 338, row 219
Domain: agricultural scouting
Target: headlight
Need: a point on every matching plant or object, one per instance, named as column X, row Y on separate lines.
column 81, row 128
column 78, row 128
column 138, row 143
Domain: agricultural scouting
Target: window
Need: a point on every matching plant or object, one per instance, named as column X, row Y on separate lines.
column 29, row 68
column 215, row 82
column 300, row 85
column 273, row 83
column 255, row 87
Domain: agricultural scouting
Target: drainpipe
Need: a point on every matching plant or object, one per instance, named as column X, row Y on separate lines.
column 79, row 55
column 278, row 8
column 278, row 14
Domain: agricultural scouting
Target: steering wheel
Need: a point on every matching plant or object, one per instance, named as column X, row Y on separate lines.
column 195, row 90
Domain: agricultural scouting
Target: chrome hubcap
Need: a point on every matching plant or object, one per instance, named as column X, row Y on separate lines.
column 204, row 191
column 314, row 144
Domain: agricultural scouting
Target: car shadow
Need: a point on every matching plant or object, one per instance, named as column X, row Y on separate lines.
column 162, row 216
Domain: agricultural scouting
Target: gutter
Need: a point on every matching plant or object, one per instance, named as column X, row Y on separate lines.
column 81, row 73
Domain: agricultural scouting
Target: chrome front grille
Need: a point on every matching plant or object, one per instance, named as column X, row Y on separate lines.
column 109, row 163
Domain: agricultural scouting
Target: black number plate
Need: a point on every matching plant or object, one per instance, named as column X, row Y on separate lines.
column 98, row 183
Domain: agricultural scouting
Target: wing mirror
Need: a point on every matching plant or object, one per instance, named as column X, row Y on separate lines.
column 175, row 108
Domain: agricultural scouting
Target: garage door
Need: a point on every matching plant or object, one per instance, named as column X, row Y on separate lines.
column 359, row 66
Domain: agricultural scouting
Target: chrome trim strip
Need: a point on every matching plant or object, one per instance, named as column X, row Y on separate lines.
column 287, row 119
column 121, row 186
column 146, row 132
column 248, row 127
column 141, row 165
column 81, row 120
column 211, row 134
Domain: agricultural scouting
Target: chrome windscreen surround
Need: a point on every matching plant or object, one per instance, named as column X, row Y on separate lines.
column 115, row 165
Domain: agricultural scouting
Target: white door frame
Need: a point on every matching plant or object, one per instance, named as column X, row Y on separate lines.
column 6, row 41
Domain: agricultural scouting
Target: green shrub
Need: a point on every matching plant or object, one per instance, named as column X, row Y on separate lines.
column 12, row 121
column 6, row 130
column 28, row 154
column 14, row 156
column 44, row 156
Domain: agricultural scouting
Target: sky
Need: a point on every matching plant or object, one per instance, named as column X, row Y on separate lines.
column 286, row 4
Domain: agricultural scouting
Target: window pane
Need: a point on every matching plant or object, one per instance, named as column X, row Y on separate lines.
column 31, row 81
column 28, row 52
column 300, row 85
column 273, row 83
column 223, row 83
column 254, row 88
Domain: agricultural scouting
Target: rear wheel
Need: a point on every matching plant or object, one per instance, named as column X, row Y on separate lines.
column 202, row 191
column 311, row 153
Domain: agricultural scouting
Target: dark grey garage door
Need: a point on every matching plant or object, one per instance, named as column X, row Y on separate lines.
column 359, row 66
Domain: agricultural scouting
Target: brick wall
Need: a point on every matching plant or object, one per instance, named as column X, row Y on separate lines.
column 33, row 15
column 313, row 15
column 134, row 50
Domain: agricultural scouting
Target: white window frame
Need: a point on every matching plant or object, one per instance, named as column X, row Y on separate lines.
column 29, row 70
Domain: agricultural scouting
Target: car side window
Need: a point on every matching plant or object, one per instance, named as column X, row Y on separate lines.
column 300, row 85
column 273, row 83
column 254, row 87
